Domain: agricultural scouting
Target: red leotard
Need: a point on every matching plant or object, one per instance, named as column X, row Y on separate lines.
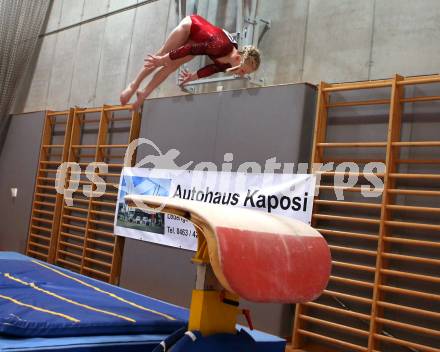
column 208, row 40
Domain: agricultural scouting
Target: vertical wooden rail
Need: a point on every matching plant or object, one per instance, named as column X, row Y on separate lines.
column 120, row 241
column 60, row 197
column 45, row 140
column 394, row 130
column 340, row 317
column 383, row 290
column 67, row 245
column 46, row 206
column 317, row 157
column 102, row 135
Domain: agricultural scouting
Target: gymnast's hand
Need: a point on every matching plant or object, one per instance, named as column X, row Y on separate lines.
column 153, row 61
column 185, row 76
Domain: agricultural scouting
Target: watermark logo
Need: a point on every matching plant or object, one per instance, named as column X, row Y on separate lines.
column 337, row 178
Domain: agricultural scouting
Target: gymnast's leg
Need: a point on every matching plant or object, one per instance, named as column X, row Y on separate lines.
column 158, row 78
column 178, row 37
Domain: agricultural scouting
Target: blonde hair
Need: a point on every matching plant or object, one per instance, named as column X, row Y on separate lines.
column 250, row 55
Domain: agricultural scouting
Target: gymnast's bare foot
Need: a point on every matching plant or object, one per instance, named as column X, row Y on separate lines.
column 127, row 93
column 140, row 97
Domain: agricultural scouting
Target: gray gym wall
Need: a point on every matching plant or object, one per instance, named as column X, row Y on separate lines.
column 310, row 40
column 18, row 168
column 255, row 125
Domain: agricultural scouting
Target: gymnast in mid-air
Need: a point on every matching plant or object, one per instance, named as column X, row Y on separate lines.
column 193, row 36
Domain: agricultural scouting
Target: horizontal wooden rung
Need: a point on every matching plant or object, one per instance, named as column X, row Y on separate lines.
column 111, row 194
column 74, row 227
column 74, row 218
column 100, row 232
column 58, row 113
column 416, row 144
column 407, row 309
column 49, row 146
column 95, row 251
column 83, row 146
column 413, row 192
column 349, row 160
column 39, row 245
column 70, row 235
column 347, row 281
column 353, row 250
column 340, row 311
column 359, row 103
column 40, row 211
column 101, row 243
column 411, row 242
column 104, row 204
column 51, row 162
column 113, row 165
column 411, row 276
column 413, row 208
column 97, row 272
column 341, row 173
column 347, row 204
column 108, row 174
column 51, row 179
column 113, row 146
column 104, row 213
column 415, row 176
column 117, row 107
column 333, row 325
column 81, row 210
column 72, row 245
column 351, row 189
column 70, row 254
column 45, row 179
column 332, row 340
column 348, row 297
column 409, row 258
column 43, row 238
column 354, row 266
column 412, row 225
column 104, row 223
column 337, row 87
column 41, row 228
column 46, row 221
column 82, row 111
column 98, row 262
column 37, row 254
column 402, row 291
column 406, row 343
column 79, row 200
column 66, row 262
column 346, row 219
column 347, row 234
column 419, row 80
column 45, row 195
column 45, row 187
column 352, row 145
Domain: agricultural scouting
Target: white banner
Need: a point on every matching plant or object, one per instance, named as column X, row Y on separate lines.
column 289, row 195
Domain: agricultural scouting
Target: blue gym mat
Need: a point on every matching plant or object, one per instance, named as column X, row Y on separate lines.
column 71, row 312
